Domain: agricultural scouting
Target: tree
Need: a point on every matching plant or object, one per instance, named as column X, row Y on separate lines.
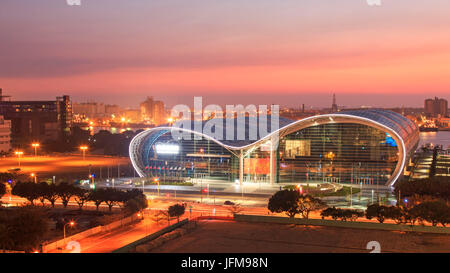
column 136, row 204
column 353, row 214
column 437, row 187
column 24, row 229
column 50, row 193
column 434, row 212
column 343, row 214
column 333, row 212
column 42, row 189
column 411, row 215
column 81, row 197
column 176, row 210
column 97, row 196
column 284, row 201
column 65, row 191
column 307, row 203
column 26, row 190
column 2, row 189
column 113, row 196
column 6, row 177
column 376, row 211
column 396, row 213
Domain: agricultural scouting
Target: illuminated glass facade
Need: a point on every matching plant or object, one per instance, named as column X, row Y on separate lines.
column 369, row 147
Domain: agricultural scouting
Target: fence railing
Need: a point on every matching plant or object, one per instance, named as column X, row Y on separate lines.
column 129, row 247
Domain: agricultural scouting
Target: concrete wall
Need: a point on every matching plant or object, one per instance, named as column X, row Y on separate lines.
column 342, row 224
column 63, row 242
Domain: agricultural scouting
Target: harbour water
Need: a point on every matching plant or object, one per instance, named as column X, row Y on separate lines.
column 441, row 138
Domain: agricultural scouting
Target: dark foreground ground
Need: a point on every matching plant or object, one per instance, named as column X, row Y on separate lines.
column 240, row 237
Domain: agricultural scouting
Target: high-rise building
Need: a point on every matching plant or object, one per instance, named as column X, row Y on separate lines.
column 37, row 120
column 436, row 107
column 153, row 111
column 5, row 135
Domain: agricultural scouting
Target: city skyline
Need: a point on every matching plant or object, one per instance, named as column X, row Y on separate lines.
column 302, row 52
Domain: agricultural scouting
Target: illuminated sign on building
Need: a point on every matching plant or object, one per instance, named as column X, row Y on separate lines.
column 168, row 149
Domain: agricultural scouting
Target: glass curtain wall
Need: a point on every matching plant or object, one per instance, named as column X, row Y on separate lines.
column 172, row 160
column 337, row 152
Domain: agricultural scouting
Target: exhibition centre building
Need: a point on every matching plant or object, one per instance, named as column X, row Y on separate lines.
column 356, row 147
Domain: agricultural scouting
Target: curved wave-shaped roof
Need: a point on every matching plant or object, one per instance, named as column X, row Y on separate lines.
column 406, row 129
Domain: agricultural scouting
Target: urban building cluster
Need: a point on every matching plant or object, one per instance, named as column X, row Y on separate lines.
column 150, row 112
column 25, row 122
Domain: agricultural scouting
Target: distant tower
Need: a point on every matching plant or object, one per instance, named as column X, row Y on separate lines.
column 334, row 107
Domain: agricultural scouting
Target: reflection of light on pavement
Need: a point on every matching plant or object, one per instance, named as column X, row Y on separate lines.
column 58, row 164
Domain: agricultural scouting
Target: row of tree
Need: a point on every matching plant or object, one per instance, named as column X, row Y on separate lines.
column 342, row 214
column 434, row 212
column 433, row 188
column 132, row 200
column 292, row 203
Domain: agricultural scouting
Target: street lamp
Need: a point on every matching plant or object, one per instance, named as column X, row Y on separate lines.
column 84, row 148
column 35, row 177
column 71, row 223
column 35, row 146
column 19, row 154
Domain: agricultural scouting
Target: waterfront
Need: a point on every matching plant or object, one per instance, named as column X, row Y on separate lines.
column 441, row 138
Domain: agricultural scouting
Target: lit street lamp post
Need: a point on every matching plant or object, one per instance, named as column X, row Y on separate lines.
column 35, row 146
column 71, row 223
column 35, row 177
column 19, row 154
column 83, row 149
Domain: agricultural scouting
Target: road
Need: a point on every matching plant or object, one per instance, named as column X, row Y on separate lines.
column 47, row 166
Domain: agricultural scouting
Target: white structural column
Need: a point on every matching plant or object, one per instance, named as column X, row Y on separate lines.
column 272, row 163
column 273, row 157
column 241, row 167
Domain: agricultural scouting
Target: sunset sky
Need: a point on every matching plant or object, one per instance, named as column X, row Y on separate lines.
column 287, row 52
